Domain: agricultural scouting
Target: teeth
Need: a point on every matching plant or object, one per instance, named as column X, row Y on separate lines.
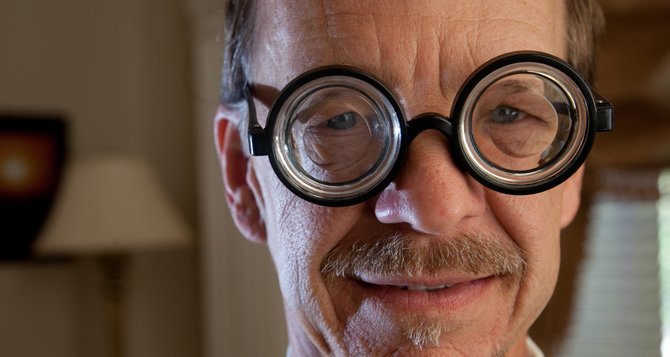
column 424, row 288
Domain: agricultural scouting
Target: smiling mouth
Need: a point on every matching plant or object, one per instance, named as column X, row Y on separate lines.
column 424, row 288
column 416, row 287
column 446, row 294
column 416, row 282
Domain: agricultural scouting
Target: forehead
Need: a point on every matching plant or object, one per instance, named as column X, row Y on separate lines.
column 398, row 39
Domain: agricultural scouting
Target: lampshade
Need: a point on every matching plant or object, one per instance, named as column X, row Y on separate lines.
column 111, row 205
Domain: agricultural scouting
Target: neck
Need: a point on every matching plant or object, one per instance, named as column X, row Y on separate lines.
column 519, row 349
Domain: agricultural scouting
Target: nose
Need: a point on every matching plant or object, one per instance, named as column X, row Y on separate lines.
column 430, row 194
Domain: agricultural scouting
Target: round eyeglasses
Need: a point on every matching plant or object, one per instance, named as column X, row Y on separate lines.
column 520, row 124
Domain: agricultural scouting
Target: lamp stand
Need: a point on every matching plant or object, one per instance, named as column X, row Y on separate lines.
column 114, row 271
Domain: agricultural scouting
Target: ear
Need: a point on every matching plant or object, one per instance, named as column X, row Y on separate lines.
column 572, row 193
column 243, row 192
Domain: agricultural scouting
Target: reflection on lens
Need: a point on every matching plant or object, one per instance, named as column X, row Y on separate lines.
column 519, row 122
column 336, row 135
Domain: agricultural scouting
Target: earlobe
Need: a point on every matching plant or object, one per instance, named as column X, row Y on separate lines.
column 243, row 192
column 572, row 193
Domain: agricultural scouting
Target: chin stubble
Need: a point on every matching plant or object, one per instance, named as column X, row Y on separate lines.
column 427, row 333
column 424, row 333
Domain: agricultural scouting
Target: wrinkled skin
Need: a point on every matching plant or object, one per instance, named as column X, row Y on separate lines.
column 423, row 50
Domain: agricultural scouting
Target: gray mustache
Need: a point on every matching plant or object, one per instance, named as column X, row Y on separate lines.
column 397, row 254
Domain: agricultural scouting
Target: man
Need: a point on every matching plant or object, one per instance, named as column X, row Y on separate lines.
column 410, row 207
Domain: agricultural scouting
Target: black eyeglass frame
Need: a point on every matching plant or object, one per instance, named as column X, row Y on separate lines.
column 600, row 114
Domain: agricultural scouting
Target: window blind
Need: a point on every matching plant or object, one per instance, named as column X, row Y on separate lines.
column 664, row 258
column 617, row 301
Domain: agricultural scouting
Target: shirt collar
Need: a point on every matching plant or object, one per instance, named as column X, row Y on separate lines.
column 533, row 350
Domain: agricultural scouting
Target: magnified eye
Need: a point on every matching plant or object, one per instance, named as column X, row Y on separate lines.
column 506, row 115
column 515, row 124
column 336, row 143
column 515, row 138
column 337, row 135
column 520, row 135
column 342, row 121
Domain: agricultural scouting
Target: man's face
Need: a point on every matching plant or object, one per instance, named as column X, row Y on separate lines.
column 423, row 50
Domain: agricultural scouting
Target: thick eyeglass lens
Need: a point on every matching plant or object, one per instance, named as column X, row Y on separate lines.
column 337, row 135
column 521, row 122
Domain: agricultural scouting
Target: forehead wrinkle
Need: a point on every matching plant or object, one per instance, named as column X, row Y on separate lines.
column 444, row 44
column 383, row 25
column 426, row 59
column 354, row 39
column 534, row 35
column 301, row 31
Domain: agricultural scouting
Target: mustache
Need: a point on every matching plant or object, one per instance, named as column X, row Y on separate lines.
column 398, row 254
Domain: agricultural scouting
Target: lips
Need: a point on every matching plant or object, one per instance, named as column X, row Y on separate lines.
column 424, row 288
column 451, row 292
column 429, row 284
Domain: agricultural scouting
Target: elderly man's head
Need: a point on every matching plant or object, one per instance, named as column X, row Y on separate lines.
column 433, row 261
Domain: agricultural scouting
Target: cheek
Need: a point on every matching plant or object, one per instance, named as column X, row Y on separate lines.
column 529, row 219
column 533, row 222
column 300, row 234
column 290, row 227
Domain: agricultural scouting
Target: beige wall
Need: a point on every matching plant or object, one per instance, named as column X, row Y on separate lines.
column 120, row 73
column 242, row 307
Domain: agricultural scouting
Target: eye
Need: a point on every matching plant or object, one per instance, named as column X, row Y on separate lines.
column 343, row 121
column 506, row 115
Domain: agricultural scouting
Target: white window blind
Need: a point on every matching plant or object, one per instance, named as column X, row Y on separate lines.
column 664, row 257
column 617, row 309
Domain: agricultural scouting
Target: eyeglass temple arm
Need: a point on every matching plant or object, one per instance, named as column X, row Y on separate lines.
column 605, row 113
column 256, row 135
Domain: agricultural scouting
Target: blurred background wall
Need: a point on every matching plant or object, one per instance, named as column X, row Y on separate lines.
column 119, row 72
column 242, row 309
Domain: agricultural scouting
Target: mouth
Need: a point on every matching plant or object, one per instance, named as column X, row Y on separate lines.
column 430, row 294
column 465, row 273
column 413, row 283
column 430, row 288
column 425, row 288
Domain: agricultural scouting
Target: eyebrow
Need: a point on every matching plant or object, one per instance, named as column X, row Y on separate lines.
column 268, row 95
column 307, row 113
column 514, row 86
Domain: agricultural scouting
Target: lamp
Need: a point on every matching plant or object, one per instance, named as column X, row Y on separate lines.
column 109, row 207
